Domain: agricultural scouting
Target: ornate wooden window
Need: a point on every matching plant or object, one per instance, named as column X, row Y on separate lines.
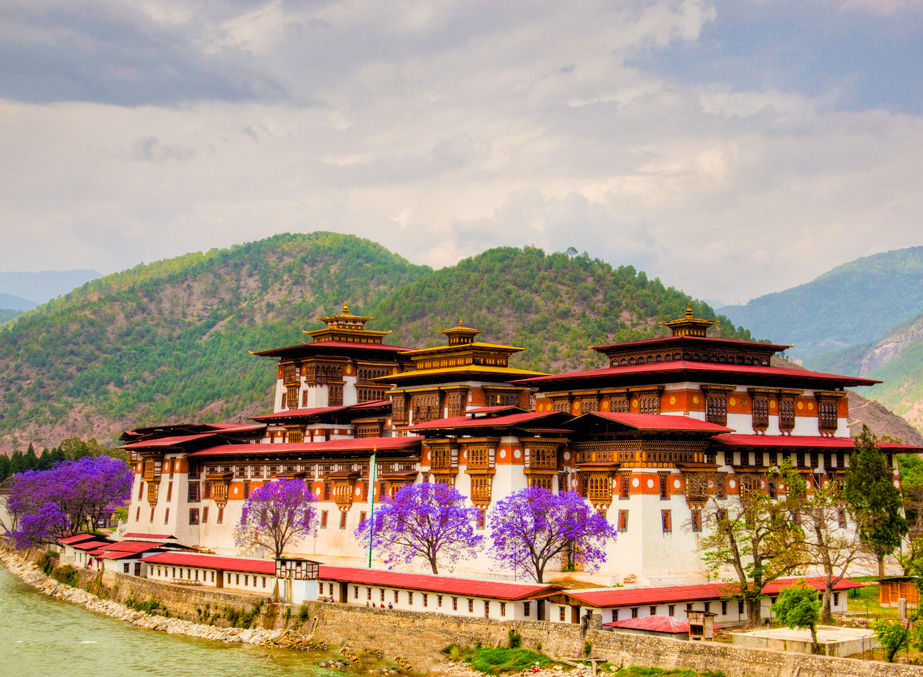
column 441, row 458
column 588, row 404
column 289, row 374
column 193, row 495
column 425, row 407
column 827, row 416
column 291, row 397
column 760, row 412
column 624, row 486
column 623, row 520
column 649, row 404
column 543, row 481
column 455, row 402
column 335, row 395
column 398, row 412
column 716, row 407
column 786, row 413
column 366, row 430
column 695, row 520
column 480, row 489
column 562, row 405
column 478, row 458
column 667, row 521
column 619, row 404
column 598, row 489
column 193, row 515
column 295, row 436
column 664, row 487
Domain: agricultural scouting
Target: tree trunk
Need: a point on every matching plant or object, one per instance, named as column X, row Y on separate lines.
column 826, row 614
column 881, row 568
column 754, row 611
column 432, row 564
column 813, row 639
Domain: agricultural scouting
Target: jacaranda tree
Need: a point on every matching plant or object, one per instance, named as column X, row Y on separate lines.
column 48, row 504
column 533, row 527
column 428, row 521
column 277, row 515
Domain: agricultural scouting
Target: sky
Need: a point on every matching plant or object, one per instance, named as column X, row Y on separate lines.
column 729, row 147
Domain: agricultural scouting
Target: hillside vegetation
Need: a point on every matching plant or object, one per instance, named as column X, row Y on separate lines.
column 553, row 305
column 170, row 339
column 855, row 303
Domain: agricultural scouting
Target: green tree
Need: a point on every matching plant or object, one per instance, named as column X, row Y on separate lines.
column 892, row 636
column 830, row 542
column 799, row 607
column 754, row 534
column 873, row 499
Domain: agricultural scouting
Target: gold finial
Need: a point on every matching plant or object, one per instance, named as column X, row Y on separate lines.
column 460, row 323
column 498, row 399
column 346, row 308
column 689, row 309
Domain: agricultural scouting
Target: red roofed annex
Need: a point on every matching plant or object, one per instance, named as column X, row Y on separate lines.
column 629, row 438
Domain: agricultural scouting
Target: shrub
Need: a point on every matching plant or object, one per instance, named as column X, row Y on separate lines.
column 67, row 575
column 302, row 613
column 515, row 639
column 587, row 648
column 48, row 561
column 892, row 635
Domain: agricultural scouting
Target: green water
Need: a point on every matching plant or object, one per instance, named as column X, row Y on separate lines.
column 41, row 637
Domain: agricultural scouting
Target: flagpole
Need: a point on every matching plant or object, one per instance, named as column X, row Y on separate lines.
column 372, row 469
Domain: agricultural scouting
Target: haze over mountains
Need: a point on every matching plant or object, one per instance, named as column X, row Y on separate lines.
column 25, row 291
column 170, row 340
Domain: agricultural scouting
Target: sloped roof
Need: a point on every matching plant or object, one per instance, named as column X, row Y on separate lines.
column 804, row 441
column 437, row 584
column 258, row 566
column 686, row 593
column 655, row 422
column 76, row 538
column 360, row 444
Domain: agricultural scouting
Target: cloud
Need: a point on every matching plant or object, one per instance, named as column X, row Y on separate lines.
column 684, row 137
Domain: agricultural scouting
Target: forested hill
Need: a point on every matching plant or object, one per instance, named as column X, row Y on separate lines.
column 852, row 304
column 553, row 305
column 171, row 339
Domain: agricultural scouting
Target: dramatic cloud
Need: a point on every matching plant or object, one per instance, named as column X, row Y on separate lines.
column 730, row 147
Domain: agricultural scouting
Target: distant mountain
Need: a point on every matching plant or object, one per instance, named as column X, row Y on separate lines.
column 10, row 302
column 7, row 314
column 171, row 339
column 42, row 286
column 896, row 358
column 855, row 303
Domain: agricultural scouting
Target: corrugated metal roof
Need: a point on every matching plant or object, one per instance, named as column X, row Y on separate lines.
column 437, row 584
column 685, row 593
column 258, row 566
column 360, row 444
column 76, row 538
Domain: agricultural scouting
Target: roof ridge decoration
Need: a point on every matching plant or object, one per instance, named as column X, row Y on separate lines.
column 346, row 327
column 689, row 325
column 461, row 334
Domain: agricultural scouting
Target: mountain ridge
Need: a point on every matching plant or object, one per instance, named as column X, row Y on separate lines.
column 170, row 339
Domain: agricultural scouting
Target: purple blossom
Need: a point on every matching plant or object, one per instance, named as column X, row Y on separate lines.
column 534, row 526
column 277, row 515
column 45, row 505
column 429, row 521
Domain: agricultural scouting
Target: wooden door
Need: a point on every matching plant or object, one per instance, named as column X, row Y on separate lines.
column 575, row 615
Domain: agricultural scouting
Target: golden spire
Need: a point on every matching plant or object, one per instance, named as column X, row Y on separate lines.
column 689, row 325
column 345, row 308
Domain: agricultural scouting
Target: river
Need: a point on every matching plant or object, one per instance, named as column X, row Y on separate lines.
column 41, row 637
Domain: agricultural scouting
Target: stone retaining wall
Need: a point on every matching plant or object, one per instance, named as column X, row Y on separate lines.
column 420, row 636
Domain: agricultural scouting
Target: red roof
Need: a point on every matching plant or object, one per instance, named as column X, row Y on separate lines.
column 257, row 566
column 692, row 339
column 295, row 413
column 482, row 422
column 89, row 545
column 665, row 624
column 657, row 422
column 487, row 410
column 235, row 427
column 167, row 441
column 132, row 546
column 361, row 444
column 671, row 368
column 685, row 593
column 138, row 536
column 76, row 539
column 438, row 584
column 313, row 347
column 803, row 441
column 120, row 555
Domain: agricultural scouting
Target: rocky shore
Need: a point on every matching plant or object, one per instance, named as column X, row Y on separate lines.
column 32, row 575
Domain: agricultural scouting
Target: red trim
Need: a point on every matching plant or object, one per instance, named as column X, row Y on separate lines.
column 668, row 368
column 664, row 624
column 361, row 444
column 259, row 566
column 687, row 593
column 483, row 422
column 679, row 340
column 167, row 441
column 803, row 441
column 89, row 545
column 657, row 422
column 438, row 584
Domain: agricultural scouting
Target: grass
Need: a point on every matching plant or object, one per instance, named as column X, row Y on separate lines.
column 862, row 600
